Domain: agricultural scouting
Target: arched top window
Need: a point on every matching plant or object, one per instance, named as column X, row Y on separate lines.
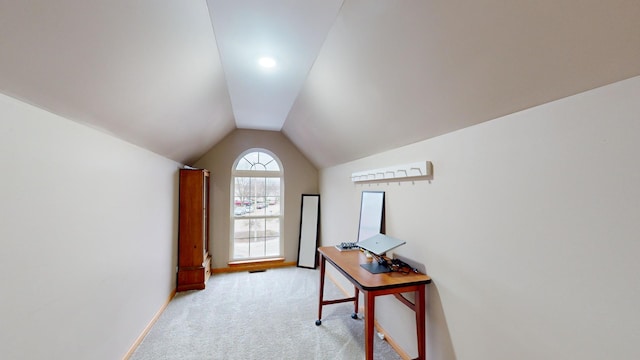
column 257, row 161
column 256, row 209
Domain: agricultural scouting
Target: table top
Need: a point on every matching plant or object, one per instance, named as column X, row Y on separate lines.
column 348, row 263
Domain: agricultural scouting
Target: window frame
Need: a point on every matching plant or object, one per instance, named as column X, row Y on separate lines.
column 259, row 174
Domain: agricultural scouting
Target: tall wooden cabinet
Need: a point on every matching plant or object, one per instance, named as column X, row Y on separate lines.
column 194, row 262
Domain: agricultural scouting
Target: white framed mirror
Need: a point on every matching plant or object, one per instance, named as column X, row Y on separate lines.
column 309, row 228
column 371, row 214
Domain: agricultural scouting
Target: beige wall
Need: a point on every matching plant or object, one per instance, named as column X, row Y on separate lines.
column 88, row 237
column 300, row 177
column 529, row 229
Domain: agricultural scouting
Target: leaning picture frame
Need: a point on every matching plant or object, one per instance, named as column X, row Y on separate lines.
column 371, row 214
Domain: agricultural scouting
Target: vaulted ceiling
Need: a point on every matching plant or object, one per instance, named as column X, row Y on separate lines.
column 351, row 78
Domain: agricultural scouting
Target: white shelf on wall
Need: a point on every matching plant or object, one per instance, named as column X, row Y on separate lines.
column 397, row 172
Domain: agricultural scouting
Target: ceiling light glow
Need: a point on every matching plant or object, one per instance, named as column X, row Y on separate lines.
column 267, row 62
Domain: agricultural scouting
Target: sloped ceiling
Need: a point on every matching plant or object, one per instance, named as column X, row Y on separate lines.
column 147, row 71
column 354, row 77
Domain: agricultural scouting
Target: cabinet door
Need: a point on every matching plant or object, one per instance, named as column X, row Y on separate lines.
column 192, row 221
column 205, row 214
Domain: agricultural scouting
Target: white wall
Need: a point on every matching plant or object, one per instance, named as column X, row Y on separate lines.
column 530, row 230
column 88, row 237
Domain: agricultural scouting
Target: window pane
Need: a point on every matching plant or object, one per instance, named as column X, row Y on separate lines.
column 273, row 227
column 256, row 238
column 272, row 166
column 257, row 249
column 273, row 246
column 272, row 186
column 273, row 207
column 239, row 210
column 243, row 164
column 260, row 208
column 256, row 207
column 272, row 238
column 241, row 239
column 268, row 207
column 259, row 187
column 252, row 190
column 242, row 188
column 257, row 228
column 241, row 229
column 258, row 161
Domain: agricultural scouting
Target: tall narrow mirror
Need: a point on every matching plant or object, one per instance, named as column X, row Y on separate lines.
column 371, row 214
column 309, row 227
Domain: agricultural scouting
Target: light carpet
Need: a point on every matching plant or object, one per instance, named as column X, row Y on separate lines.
column 257, row 316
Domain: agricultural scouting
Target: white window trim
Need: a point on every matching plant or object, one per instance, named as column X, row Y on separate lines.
column 260, row 174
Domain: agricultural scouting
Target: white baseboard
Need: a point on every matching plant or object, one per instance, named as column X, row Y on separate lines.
column 149, row 326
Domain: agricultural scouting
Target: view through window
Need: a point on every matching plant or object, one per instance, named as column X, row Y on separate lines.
column 257, row 206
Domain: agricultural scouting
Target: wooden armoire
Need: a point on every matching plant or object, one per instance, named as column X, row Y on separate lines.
column 194, row 262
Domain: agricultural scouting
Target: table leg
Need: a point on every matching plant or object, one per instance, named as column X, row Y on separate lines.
column 322, row 270
column 355, row 305
column 369, row 310
column 420, row 322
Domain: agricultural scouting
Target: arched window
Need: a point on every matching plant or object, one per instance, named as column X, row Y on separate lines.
column 256, row 212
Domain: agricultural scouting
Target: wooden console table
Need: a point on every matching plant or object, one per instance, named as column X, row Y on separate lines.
column 372, row 285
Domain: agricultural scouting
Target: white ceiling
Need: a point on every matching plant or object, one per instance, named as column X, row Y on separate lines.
column 289, row 31
column 354, row 77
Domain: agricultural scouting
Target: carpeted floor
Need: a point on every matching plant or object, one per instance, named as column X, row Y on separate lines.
column 257, row 316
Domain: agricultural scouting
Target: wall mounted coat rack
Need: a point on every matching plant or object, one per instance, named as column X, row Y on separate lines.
column 397, row 172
